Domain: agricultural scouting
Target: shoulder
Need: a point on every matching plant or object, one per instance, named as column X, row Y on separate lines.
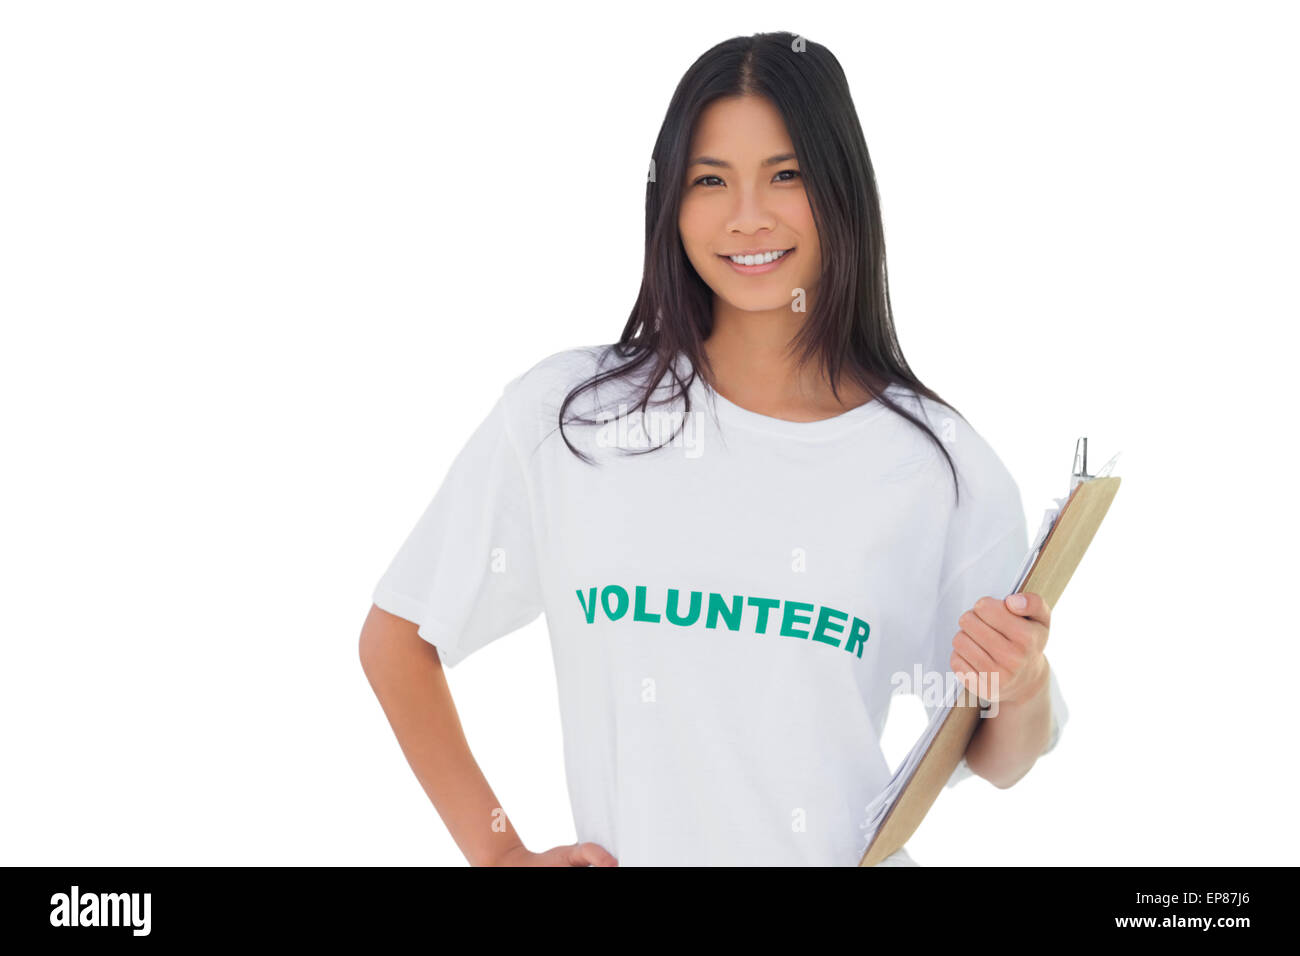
column 558, row 373
column 533, row 398
column 565, row 367
column 986, row 485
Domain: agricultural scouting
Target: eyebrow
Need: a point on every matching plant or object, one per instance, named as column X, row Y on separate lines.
column 712, row 161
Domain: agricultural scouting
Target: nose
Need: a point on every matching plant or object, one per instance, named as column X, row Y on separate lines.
column 750, row 214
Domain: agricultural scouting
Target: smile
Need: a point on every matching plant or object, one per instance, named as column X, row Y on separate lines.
column 753, row 264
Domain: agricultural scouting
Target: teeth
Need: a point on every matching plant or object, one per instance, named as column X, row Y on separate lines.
column 757, row 260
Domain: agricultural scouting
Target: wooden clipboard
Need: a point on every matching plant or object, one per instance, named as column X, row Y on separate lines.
column 1060, row 554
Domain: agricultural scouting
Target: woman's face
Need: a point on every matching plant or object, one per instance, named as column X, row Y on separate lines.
column 744, row 193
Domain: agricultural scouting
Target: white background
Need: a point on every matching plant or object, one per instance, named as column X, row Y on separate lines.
column 264, row 266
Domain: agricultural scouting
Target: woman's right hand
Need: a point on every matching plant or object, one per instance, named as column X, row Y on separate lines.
column 573, row 854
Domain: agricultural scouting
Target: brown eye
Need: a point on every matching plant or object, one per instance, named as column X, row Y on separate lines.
column 793, row 172
column 700, row 181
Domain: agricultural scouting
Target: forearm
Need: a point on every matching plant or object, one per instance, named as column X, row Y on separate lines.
column 1004, row 747
column 408, row 679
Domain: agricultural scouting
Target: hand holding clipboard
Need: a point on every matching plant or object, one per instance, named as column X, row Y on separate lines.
column 1047, row 568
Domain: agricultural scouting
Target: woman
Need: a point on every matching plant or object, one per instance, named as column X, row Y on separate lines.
column 740, row 520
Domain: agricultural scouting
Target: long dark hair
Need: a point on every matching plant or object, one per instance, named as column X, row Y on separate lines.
column 850, row 328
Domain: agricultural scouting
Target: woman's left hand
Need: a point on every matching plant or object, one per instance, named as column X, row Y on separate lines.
column 997, row 637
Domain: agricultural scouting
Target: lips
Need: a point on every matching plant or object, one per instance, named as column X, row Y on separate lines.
column 761, row 268
column 755, row 252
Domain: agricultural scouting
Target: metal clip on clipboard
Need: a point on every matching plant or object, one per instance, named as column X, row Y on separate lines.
column 1078, row 475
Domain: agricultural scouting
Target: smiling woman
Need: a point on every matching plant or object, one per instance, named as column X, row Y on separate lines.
column 765, row 252
column 737, row 189
column 727, row 611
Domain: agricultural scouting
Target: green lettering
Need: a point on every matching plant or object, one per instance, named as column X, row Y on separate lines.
column 823, row 624
column 796, row 617
column 640, row 614
column 588, row 609
column 718, row 605
column 857, row 636
column 673, row 608
column 619, row 593
column 764, row 605
column 790, row 618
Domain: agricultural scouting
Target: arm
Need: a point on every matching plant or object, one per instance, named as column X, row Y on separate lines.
column 406, row 675
column 1004, row 747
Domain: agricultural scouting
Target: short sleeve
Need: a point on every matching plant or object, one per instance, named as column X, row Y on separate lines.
column 992, row 572
column 467, row 573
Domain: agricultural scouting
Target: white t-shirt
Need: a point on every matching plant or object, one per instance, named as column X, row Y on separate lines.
column 728, row 614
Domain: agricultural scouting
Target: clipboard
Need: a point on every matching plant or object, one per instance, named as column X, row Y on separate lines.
column 1047, row 569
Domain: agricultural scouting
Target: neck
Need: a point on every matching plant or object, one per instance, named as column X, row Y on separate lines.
column 752, row 364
